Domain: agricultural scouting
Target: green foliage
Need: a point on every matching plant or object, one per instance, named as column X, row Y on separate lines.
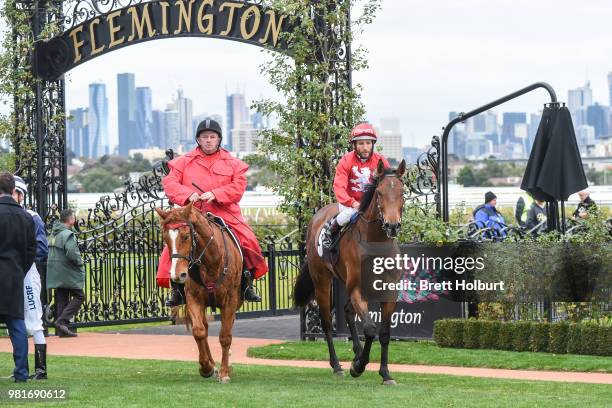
column 318, row 107
column 574, row 339
column 471, row 333
column 558, row 338
column 521, row 333
column 448, row 333
column 489, row 333
column 469, row 176
column 421, row 224
column 110, row 172
column 539, row 337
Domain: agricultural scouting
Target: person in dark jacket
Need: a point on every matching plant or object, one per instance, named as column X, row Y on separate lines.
column 65, row 272
column 17, row 253
column 33, row 310
column 585, row 206
column 535, row 215
column 486, row 215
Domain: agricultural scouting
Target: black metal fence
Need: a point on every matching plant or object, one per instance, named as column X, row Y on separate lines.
column 121, row 242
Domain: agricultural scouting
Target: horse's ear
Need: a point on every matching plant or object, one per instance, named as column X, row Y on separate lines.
column 162, row 214
column 380, row 169
column 401, row 169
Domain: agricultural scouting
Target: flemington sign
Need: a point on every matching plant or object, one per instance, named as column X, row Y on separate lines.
column 232, row 20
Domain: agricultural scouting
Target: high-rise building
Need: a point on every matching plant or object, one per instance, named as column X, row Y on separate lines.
column 144, row 119
column 237, row 114
column 585, row 137
column 97, row 120
column 158, row 129
column 610, row 88
column 598, row 116
column 534, row 123
column 77, row 136
column 510, row 120
column 577, row 102
column 478, row 147
column 172, row 129
column 126, row 105
column 184, row 108
column 390, row 139
column 457, row 138
column 245, row 139
column 485, row 123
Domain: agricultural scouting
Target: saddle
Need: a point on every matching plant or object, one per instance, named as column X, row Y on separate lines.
column 221, row 222
column 331, row 255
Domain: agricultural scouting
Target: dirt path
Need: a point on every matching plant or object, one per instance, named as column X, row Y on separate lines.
column 140, row 346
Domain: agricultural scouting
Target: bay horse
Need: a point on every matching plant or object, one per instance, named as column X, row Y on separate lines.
column 209, row 262
column 379, row 221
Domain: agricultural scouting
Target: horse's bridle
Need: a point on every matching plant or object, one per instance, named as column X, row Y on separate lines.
column 380, row 218
column 194, row 273
column 191, row 259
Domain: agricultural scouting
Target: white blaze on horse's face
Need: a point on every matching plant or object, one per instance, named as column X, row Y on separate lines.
column 173, row 234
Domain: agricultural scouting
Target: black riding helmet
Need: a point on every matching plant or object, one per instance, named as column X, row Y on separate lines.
column 209, row 124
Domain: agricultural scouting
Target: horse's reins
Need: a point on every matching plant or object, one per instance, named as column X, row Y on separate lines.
column 377, row 198
column 194, row 273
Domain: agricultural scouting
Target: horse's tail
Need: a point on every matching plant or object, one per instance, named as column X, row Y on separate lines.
column 303, row 290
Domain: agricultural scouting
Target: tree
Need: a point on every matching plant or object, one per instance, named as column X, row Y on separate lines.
column 466, row 177
column 319, row 105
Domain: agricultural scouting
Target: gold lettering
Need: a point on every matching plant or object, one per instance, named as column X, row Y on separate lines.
column 113, row 29
column 164, row 6
column 92, row 36
column 138, row 26
column 208, row 29
column 184, row 15
column 76, row 43
column 230, row 18
column 251, row 11
column 274, row 27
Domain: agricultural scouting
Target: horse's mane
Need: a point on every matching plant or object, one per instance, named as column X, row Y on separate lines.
column 368, row 194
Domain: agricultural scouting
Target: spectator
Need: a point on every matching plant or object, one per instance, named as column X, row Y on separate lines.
column 487, row 216
column 535, row 215
column 585, row 205
column 17, row 253
column 32, row 302
column 65, row 272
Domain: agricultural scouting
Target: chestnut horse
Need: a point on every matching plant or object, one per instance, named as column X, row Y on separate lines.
column 207, row 260
column 379, row 221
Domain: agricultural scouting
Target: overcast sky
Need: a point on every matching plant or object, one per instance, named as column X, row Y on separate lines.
column 426, row 59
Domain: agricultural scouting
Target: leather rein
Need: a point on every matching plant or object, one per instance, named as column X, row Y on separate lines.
column 196, row 261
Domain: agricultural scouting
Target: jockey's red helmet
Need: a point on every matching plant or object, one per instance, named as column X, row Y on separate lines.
column 363, row 131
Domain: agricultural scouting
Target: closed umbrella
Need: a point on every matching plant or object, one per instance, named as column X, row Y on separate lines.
column 554, row 170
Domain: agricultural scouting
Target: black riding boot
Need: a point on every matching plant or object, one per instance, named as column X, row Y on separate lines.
column 177, row 295
column 246, row 287
column 329, row 231
column 40, row 362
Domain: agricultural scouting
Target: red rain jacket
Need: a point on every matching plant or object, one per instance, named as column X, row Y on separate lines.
column 225, row 176
column 352, row 175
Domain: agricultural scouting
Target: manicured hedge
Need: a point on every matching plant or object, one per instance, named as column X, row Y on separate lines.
column 558, row 338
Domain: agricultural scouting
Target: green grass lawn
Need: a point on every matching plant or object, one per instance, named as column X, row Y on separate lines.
column 428, row 353
column 98, row 382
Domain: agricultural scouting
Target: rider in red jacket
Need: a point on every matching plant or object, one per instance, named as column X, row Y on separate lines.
column 222, row 178
column 353, row 173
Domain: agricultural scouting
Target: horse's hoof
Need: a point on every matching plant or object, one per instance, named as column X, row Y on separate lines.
column 214, row 372
column 339, row 373
column 389, row 382
column 224, row 380
column 354, row 372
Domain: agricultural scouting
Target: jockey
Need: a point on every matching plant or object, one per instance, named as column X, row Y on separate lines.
column 353, row 172
column 31, row 287
column 222, row 177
